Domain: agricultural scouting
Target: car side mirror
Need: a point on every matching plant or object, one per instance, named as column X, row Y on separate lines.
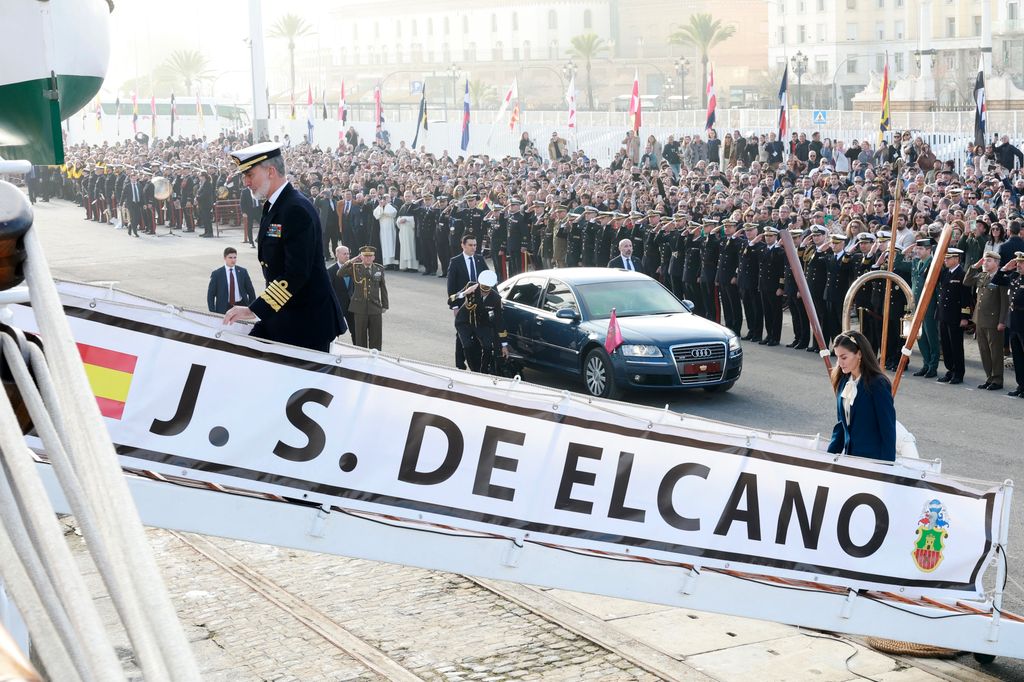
column 688, row 304
column 567, row 314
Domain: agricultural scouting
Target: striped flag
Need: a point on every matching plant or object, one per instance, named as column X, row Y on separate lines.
column 421, row 120
column 510, row 96
column 117, row 115
column 342, row 114
column 152, row 116
column 323, row 94
column 884, row 121
column 378, row 109
column 465, row 119
column 570, row 99
column 514, row 118
column 199, row 114
column 174, row 114
column 980, row 108
column 110, row 376
column 783, row 105
column 99, row 116
column 310, row 114
column 635, row 107
column 712, row 100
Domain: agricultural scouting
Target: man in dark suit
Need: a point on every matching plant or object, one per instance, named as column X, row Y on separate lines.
column 298, row 306
column 463, row 269
column 1012, row 245
column 229, row 285
column 205, row 199
column 953, row 312
column 251, row 210
column 132, row 197
column 624, row 260
column 350, row 219
column 343, row 286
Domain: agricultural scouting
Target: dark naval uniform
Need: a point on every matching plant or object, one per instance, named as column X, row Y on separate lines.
column 746, row 280
column 770, row 281
column 728, row 282
column 837, row 283
column 298, row 306
column 816, row 268
column 954, row 306
column 480, row 326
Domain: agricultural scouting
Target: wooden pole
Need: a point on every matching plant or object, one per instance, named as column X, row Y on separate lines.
column 893, row 226
column 922, row 304
column 805, row 294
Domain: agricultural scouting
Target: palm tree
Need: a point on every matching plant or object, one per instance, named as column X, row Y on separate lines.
column 586, row 47
column 188, row 67
column 479, row 91
column 703, row 33
column 290, row 27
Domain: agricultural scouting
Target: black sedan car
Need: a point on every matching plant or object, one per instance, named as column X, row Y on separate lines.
column 558, row 321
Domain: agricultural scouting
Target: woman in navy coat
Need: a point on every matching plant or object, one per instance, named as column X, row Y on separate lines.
column 866, row 417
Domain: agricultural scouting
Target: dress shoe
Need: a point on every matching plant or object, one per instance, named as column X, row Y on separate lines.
column 984, row 386
column 813, row 349
column 772, row 343
column 931, row 374
column 955, row 380
column 921, row 372
column 745, row 338
column 755, row 339
column 994, row 387
column 763, row 342
column 800, row 346
column 1016, row 394
column 792, row 344
column 944, row 379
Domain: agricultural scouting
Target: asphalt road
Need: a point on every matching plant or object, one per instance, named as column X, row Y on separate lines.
column 976, row 434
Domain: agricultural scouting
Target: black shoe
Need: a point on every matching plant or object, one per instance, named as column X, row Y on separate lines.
column 745, row 337
column 793, row 344
column 931, row 374
column 443, row 275
column 945, row 379
column 984, row 386
column 921, row 372
column 428, row 274
column 1016, row 394
column 813, row 349
column 955, row 380
column 763, row 342
column 800, row 346
column 755, row 339
column 772, row 343
column 994, row 387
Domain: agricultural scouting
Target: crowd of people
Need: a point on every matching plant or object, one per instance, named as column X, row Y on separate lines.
column 702, row 215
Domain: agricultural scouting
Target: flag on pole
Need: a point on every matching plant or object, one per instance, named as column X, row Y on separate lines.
column 980, row 108
column 421, row 120
column 324, row 96
column 310, row 114
column 342, row 113
column 378, row 108
column 135, row 113
column 514, row 118
column 291, row 112
column 883, row 123
column 511, row 95
column 635, row 113
column 99, row 115
column 570, row 99
column 117, row 115
column 614, row 337
column 152, row 116
column 712, row 100
column 199, row 115
column 174, row 113
column 465, row 119
column 783, row 105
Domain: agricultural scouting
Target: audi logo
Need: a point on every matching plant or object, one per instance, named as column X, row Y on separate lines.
column 701, row 353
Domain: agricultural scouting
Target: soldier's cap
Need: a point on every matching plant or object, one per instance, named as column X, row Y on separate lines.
column 954, row 253
column 992, row 254
column 426, row 195
column 796, row 231
column 652, row 214
column 636, row 214
column 694, row 223
column 954, row 190
column 469, row 195
column 605, row 214
column 561, row 207
column 618, row 215
column 710, row 221
column 771, row 230
column 1018, row 256
column 838, row 239
column 927, row 241
column 589, row 209
column 818, row 229
column 679, row 215
column 487, row 278
column 515, row 200
column 443, row 197
column 866, row 237
column 251, row 156
column 367, row 251
column 883, row 235
column 539, row 202
column 751, row 226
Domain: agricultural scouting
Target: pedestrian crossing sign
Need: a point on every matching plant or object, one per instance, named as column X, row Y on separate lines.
column 820, row 117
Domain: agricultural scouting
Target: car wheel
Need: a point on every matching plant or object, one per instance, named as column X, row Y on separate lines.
column 720, row 388
column 598, row 375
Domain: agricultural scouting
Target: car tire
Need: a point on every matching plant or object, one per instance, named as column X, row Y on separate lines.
column 598, row 375
column 720, row 388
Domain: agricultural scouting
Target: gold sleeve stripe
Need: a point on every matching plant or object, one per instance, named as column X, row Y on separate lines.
column 274, row 294
column 270, row 301
column 966, row 311
column 279, row 289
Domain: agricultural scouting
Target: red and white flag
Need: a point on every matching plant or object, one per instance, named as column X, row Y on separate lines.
column 310, row 114
column 512, row 96
column 712, row 100
column 614, row 337
column 570, row 99
column 635, row 108
column 514, row 118
column 783, row 104
column 342, row 114
column 378, row 112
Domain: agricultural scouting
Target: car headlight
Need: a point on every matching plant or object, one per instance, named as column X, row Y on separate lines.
column 734, row 345
column 641, row 351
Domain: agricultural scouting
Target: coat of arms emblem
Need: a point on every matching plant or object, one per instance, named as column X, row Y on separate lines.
column 932, row 531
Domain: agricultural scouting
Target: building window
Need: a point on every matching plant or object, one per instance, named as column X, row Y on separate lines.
column 801, row 34
column 821, row 67
column 782, row 6
column 552, row 19
column 782, row 35
column 880, row 62
column 851, row 65
column 898, row 30
column 899, row 4
column 1012, row 11
column 526, row 49
column 515, row 21
column 588, row 19
column 977, row 25
column 880, row 30
column 496, row 51
column 881, row 4
column 898, row 61
column 801, row 6
column 470, row 52
column 553, row 49
column 821, row 33
column 383, row 54
column 950, row 61
column 951, row 27
column 851, row 4
column 821, row 5
column 851, row 31
column 494, row 23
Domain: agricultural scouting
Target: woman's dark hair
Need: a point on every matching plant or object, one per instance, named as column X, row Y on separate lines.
column 855, row 342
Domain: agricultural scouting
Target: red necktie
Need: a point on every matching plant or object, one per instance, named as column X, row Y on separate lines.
column 231, row 286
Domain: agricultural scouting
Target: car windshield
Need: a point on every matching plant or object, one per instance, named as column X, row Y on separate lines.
column 629, row 298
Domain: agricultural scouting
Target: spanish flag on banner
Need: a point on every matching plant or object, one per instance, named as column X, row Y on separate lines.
column 110, row 376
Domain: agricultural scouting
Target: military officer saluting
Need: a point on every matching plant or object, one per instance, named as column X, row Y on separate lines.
column 954, row 312
column 298, row 306
column 479, row 322
column 369, row 297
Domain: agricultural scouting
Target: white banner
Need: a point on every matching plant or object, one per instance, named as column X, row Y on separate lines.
column 184, row 396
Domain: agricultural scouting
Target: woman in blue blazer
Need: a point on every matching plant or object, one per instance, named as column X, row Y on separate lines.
column 866, row 417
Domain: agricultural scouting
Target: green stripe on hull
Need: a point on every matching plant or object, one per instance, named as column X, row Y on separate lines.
column 27, row 127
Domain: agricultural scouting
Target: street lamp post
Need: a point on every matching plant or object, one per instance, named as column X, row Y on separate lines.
column 570, row 70
column 453, row 73
column 799, row 62
column 682, row 68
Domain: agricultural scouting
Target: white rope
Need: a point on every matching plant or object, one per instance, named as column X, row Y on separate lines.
column 98, row 468
column 33, row 508
column 97, row 540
